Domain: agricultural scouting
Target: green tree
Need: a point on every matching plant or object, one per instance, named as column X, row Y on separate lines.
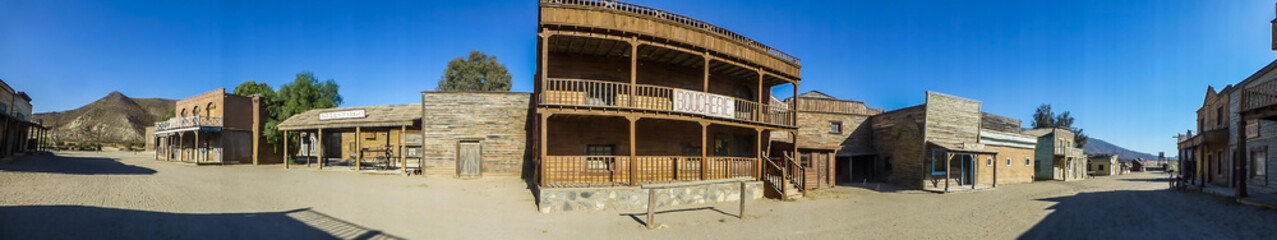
column 270, row 107
column 1043, row 117
column 478, row 72
column 167, row 116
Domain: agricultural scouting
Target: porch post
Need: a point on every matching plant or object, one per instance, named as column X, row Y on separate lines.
column 284, row 154
column 704, row 149
column 320, row 146
column 1242, row 160
column 198, row 152
column 705, row 86
column 359, row 149
column 995, row 170
column 633, row 71
column 403, row 161
column 633, row 151
column 947, row 156
column 541, row 141
column 181, row 146
column 758, row 153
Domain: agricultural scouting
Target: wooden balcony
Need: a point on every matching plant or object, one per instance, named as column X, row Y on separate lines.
column 1259, row 95
column 602, row 171
column 616, row 95
column 194, row 122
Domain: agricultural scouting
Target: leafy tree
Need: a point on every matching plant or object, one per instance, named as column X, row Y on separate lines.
column 478, row 72
column 170, row 115
column 270, row 107
column 1043, row 117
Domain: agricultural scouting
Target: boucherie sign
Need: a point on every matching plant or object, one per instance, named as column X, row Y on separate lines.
column 351, row 114
column 703, row 103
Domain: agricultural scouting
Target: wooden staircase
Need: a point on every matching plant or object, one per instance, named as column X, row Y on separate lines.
column 782, row 179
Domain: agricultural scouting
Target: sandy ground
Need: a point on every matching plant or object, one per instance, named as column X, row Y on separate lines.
column 121, row 195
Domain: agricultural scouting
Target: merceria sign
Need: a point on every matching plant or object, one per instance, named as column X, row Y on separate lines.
column 704, row 103
column 324, row 116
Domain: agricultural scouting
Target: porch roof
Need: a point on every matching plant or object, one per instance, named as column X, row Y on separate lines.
column 374, row 116
column 960, row 148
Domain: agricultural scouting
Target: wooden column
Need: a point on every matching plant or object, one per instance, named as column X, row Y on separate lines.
column 198, row 153
column 359, row 149
column 320, row 146
column 284, row 153
column 633, row 152
column 947, row 156
column 995, row 171
column 544, row 64
column 758, row 158
column 758, row 113
column 1242, row 160
column 633, row 71
column 705, row 87
column 541, row 145
column 704, row 150
column 403, row 161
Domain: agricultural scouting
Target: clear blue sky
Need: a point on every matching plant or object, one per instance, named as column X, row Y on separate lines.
column 1131, row 72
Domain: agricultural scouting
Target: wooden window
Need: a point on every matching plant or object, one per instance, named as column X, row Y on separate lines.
column 937, row 162
column 721, row 145
column 835, row 127
column 988, row 161
column 1219, row 115
column 1260, row 163
column 1099, row 167
column 604, row 153
column 1009, row 162
column 1028, row 161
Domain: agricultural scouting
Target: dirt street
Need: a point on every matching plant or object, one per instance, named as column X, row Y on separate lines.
column 122, row 195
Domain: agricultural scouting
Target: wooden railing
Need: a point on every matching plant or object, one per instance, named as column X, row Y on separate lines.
column 596, row 93
column 583, row 171
column 676, row 18
column 796, row 173
column 188, row 122
column 834, row 106
column 774, row 176
column 1259, row 95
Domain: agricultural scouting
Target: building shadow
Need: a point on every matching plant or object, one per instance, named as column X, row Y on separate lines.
column 72, row 165
column 641, row 217
column 1153, row 214
column 85, row 222
column 875, row 186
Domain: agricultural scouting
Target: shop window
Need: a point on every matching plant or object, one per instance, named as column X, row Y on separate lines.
column 937, row 162
column 835, row 127
column 1261, row 164
column 600, row 156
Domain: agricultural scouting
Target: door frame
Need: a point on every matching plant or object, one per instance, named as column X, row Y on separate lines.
column 479, row 170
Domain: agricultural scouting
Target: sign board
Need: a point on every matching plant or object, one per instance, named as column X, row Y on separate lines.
column 704, row 104
column 350, row 114
column 1252, row 129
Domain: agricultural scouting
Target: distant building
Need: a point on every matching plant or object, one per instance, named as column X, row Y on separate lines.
column 1104, row 165
column 18, row 134
column 1057, row 156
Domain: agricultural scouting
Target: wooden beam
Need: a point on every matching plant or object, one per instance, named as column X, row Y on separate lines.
column 758, row 158
column 320, row 146
column 704, row 150
column 542, row 141
column 284, row 153
column 947, row 156
column 633, row 152
column 403, row 160
column 359, row 150
column 633, row 70
column 707, row 57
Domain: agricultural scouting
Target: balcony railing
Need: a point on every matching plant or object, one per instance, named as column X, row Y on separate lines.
column 585, row 171
column 188, row 122
column 594, row 93
column 676, row 18
column 1259, row 95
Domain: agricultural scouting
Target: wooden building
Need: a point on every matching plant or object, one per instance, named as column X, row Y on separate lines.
column 834, row 140
column 18, row 133
column 1057, row 157
column 1013, row 163
column 1104, row 165
column 385, row 137
column 1209, row 154
column 214, row 128
column 934, row 146
column 627, row 95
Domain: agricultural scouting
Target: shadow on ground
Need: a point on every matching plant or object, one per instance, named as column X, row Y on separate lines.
column 874, row 186
column 72, row 165
column 84, row 222
column 1151, row 214
column 641, row 217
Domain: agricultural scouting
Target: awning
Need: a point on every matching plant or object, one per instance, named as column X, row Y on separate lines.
column 350, row 117
column 974, row 148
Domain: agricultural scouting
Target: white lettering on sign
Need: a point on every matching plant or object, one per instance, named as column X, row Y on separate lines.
column 324, row 116
column 704, row 104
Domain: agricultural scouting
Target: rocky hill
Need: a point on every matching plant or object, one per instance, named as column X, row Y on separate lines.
column 112, row 119
column 1097, row 146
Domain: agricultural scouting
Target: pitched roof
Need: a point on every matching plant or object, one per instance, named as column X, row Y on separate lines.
column 816, row 94
column 374, row 116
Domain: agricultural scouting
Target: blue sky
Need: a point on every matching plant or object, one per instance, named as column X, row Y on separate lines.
column 1131, row 72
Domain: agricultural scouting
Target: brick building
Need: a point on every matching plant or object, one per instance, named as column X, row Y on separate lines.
column 214, row 128
column 628, row 95
column 1013, row 162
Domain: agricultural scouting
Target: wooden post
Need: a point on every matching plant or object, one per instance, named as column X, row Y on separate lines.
column 320, row 146
column 758, row 113
column 1243, row 158
column 704, row 167
column 651, row 207
column 403, row 160
column 995, row 171
column 705, row 86
column 198, row 153
column 542, row 142
column 742, row 201
column 284, row 153
column 633, row 152
column 359, row 149
column 299, row 145
column 633, row 71
column 947, row 156
column 545, row 64
column 758, row 151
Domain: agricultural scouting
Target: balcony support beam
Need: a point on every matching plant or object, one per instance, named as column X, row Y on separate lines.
column 633, row 162
column 704, row 149
column 634, row 45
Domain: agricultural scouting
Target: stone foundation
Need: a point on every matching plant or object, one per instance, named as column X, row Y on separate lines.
column 635, row 198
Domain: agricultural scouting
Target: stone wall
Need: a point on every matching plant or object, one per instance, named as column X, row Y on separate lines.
column 551, row 200
column 899, row 142
column 498, row 120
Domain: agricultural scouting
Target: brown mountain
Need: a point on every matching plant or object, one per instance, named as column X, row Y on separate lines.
column 112, row 119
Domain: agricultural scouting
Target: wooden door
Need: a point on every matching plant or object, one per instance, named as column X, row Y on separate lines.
column 468, row 159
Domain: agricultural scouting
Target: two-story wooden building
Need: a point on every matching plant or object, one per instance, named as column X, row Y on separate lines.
column 1057, row 157
column 627, row 95
column 835, row 139
column 1208, row 155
